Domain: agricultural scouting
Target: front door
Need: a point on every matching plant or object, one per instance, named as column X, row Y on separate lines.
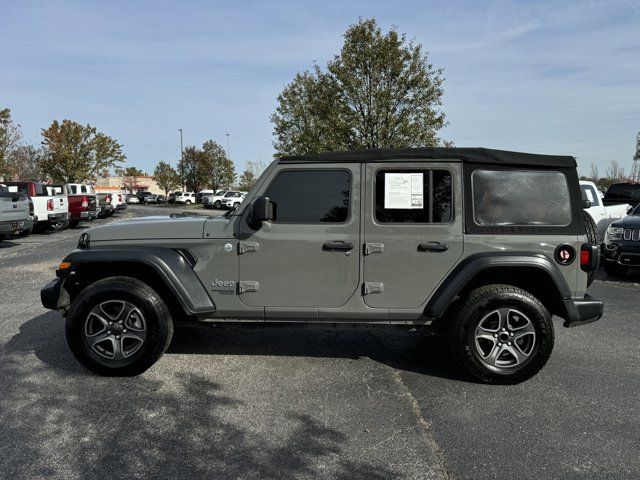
column 412, row 231
column 308, row 256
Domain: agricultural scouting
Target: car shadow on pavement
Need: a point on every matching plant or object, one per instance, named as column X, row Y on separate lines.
column 58, row 420
column 413, row 351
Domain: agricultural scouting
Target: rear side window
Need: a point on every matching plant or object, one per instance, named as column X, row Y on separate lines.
column 413, row 196
column 311, row 196
column 521, row 198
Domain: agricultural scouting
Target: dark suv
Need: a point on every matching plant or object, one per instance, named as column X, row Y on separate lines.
column 622, row 244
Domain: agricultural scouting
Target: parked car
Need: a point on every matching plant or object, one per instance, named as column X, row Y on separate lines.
column 215, row 200
column 622, row 244
column 83, row 204
column 161, row 199
column 186, row 197
column 150, row 199
column 105, row 202
column 132, row 199
column 601, row 215
column 434, row 242
column 119, row 201
column 234, row 200
column 202, row 193
column 172, row 197
column 14, row 212
column 50, row 206
column 623, row 193
column 142, row 195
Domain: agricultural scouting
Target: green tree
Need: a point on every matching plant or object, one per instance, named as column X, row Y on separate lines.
column 194, row 167
column 130, row 176
column 220, row 170
column 247, row 179
column 24, row 163
column 380, row 91
column 166, row 177
column 75, row 152
column 9, row 139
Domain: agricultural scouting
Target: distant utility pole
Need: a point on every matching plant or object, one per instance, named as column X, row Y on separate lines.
column 182, row 162
column 635, row 170
column 227, row 134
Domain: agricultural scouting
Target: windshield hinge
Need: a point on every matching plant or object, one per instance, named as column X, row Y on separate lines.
column 248, row 247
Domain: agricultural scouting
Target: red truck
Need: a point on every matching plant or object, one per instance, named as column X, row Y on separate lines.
column 83, row 203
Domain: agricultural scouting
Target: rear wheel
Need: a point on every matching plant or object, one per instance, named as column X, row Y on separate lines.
column 118, row 326
column 188, row 202
column 502, row 334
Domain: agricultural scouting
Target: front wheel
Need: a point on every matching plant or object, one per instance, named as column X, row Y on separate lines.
column 118, row 326
column 188, row 202
column 502, row 334
column 217, row 204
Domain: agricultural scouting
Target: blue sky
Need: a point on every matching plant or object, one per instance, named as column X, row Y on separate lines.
column 546, row 77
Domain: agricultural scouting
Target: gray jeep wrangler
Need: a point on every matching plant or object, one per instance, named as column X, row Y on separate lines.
column 485, row 245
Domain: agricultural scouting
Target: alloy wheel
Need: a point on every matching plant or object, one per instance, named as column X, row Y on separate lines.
column 115, row 329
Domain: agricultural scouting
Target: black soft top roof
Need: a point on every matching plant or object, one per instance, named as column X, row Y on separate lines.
column 466, row 155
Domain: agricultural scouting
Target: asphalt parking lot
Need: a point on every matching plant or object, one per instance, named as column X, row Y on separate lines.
column 256, row 402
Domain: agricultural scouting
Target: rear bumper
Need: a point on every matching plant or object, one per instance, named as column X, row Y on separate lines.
column 583, row 311
column 58, row 217
column 12, row 226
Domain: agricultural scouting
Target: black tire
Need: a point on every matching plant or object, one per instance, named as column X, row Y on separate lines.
column 73, row 223
column 155, row 318
column 614, row 269
column 236, row 204
column 592, row 238
column 26, row 233
column 188, row 202
column 217, row 204
column 480, row 307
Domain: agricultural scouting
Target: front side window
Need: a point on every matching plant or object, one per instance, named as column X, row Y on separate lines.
column 413, row 196
column 520, row 198
column 311, row 196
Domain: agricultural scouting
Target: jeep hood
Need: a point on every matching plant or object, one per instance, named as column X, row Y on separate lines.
column 149, row 228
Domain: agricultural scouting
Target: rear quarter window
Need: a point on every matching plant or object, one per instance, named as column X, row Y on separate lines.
column 520, row 198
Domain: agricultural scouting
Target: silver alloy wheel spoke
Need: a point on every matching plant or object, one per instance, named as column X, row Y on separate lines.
column 501, row 338
column 115, row 329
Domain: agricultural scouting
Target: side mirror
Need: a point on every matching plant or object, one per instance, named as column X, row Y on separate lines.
column 586, row 203
column 262, row 210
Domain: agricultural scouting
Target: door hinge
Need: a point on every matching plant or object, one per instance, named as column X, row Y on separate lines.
column 373, row 287
column 248, row 247
column 248, row 286
column 370, row 248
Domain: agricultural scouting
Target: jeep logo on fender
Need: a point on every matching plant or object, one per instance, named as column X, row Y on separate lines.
column 227, row 287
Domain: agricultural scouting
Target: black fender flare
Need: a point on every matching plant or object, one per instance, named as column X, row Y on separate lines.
column 170, row 265
column 466, row 270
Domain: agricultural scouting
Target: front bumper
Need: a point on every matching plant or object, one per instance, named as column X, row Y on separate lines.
column 53, row 296
column 583, row 311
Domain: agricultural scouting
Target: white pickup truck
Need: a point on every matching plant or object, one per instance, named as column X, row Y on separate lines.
column 50, row 206
column 602, row 216
column 14, row 212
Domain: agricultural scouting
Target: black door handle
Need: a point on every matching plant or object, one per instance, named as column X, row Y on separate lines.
column 433, row 247
column 337, row 246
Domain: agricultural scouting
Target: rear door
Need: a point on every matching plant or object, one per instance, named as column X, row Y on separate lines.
column 308, row 257
column 412, row 231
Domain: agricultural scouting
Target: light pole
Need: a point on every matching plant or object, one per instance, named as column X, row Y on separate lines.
column 182, row 162
column 227, row 134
